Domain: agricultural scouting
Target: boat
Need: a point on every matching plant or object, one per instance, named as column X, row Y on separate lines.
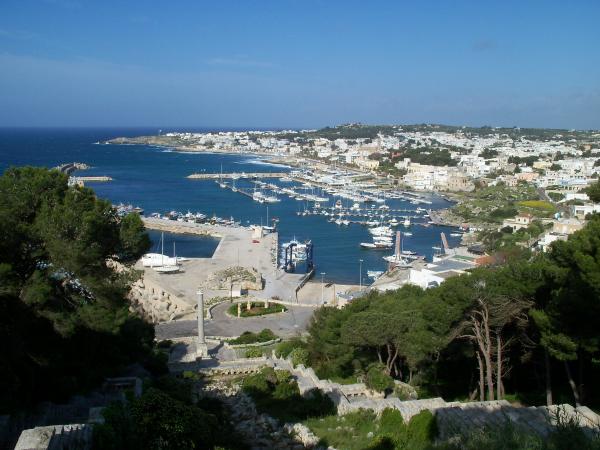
column 407, row 233
column 338, row 204
column 374, row 273
column 394, row 222
column 367, row 245
column 456, row 234
column 166, row 264
column 406, row 222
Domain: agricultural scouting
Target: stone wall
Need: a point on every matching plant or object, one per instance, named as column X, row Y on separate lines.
column 155, row 302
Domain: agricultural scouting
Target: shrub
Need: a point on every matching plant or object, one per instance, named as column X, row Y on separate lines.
column 285, row 389
column 254, row 353
column 378, row 380
column 390, row 421
column 299, row 356
column 283, row 376
column 284, row 348
column 247, row 337
column 256, row 384
column 422, row 428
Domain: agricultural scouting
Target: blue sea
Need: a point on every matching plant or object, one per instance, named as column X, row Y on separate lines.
column 155, row 179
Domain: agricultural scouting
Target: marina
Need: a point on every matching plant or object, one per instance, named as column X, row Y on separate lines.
column 300, row 213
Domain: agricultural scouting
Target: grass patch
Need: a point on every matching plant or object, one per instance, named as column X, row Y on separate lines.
column 538, row 204
column 362, row 430
column 276, row 393
column 256, row 309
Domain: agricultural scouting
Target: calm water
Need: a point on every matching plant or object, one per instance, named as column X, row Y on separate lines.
column 154, row 179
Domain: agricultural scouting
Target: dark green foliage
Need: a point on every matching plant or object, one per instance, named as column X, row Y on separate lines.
column 276, row 393
column 247, row 337
column 429, row 156
column 488, row 153
column 165, row 418
column 378, row 380
column 593, row 192
column 134, row 241
column 65, row 320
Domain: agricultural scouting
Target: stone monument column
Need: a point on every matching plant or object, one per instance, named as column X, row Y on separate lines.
column 201, row 347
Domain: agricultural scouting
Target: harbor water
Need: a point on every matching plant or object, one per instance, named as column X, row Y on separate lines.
column 155, row 180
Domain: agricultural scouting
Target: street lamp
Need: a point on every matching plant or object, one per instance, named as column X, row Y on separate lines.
column 360, row 274
column 322, row 288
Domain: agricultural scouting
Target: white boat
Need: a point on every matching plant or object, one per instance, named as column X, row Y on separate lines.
column 355, row 207
column 407, row 233
column 157, row 260
column 338, row 204
column 456, row 234
column 367, row 245
column 374, row 273
column 394, row 222
column 167, row 269
column 406, row 222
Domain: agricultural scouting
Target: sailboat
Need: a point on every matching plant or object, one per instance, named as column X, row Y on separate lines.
column 167, row 268
column 158, row 259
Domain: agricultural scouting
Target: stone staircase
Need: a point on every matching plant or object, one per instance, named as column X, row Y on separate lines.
column 56, row 437
column 461, row 418
column 453, row 418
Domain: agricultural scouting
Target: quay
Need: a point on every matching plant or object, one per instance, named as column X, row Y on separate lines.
column 238, row 247
column 100, row 178
column 253, row 175
column 69, row 168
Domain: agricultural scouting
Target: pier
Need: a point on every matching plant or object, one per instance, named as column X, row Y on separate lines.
column 235, row 176
column 239, row 246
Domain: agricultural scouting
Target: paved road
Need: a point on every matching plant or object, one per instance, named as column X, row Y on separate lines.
column 287, row 324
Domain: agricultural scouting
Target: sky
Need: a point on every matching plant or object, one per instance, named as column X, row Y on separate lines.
column 299, row 64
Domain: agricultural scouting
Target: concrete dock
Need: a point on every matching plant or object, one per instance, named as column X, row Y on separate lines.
column 254, row 175
column 237, row 247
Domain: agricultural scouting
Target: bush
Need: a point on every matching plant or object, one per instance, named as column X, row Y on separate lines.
column 299, row 356
column 254, row 353
column 286, row 389
column 284, row 348
column 378, row 380
column 390, row 421
column 247, row 337
column 256, row 384
column 422, row 429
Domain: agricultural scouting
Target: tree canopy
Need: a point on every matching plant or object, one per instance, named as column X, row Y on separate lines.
column 63, row 308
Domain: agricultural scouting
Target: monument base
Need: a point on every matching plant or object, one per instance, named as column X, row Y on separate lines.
column 201, row 350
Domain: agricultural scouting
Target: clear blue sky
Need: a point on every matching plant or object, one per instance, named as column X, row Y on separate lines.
column 299, row 63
